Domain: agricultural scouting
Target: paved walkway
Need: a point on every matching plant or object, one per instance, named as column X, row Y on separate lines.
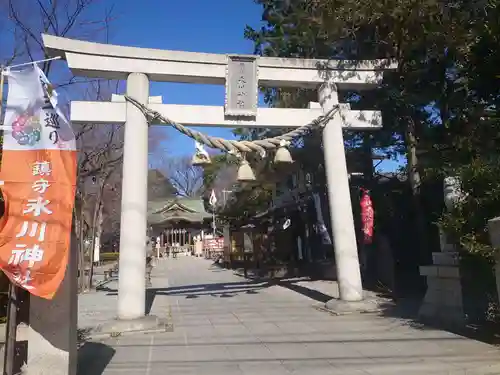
column 224, row 324
column 99, row 307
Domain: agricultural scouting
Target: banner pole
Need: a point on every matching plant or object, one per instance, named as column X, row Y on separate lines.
column 11, row 331
column 32, row 62
column 2, row 82
column 213, row 222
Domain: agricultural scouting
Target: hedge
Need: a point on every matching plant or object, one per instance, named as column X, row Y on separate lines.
column 109, row 257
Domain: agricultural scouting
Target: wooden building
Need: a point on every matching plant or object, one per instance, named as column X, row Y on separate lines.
column 177, row 221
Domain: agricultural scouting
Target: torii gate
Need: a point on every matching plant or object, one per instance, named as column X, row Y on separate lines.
column 242, row 76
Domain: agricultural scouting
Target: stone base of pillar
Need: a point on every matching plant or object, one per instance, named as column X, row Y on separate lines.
column 369, row 304
column 443, row 303
column 146, row 324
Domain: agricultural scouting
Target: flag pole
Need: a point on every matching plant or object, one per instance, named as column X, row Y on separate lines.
column 2, row 82
column 213, row 202
column 31, row 63
column 213, row 220
column 12, row 304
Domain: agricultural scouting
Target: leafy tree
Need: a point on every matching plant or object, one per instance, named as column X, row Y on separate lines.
column 468, row 145
column 429, row 40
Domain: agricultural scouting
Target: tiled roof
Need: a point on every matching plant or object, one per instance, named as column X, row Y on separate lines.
column 177, row 209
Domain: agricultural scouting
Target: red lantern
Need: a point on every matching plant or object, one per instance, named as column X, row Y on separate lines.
column 367, row 217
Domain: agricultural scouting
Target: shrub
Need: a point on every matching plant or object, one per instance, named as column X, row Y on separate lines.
column 109, row 257
column 467, row 225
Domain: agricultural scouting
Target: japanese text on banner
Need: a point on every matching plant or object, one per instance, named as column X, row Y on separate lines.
column 32, row 226
column 39, row 174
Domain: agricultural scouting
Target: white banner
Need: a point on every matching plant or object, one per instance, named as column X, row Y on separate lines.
column 325, row 236
column 39, row 169
column 213, row 199
column 34, row 115
column 97, row 249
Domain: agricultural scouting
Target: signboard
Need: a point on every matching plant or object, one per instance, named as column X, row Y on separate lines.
column 214, row 243
column 241, row 86
column 39, row 174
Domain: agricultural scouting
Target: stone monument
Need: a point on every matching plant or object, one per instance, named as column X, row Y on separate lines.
column 443, row 300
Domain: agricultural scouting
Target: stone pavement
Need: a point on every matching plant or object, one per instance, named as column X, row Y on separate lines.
column 99, row 307
column 224, row 324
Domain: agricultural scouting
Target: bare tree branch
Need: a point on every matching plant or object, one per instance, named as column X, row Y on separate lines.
column 100, row 146
column 186, row 178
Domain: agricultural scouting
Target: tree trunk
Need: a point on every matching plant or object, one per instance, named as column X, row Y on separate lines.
column 415, row 180
column 77, row 218
column 368, row 169
column 95, row 232
column 81, row 241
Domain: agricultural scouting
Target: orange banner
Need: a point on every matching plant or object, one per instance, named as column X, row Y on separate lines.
column 39, row 178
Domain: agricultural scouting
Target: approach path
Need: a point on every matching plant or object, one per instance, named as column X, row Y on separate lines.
column 224, row 324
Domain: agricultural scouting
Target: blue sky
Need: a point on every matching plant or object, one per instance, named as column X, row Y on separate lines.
column 197, row 25
column 215, row 26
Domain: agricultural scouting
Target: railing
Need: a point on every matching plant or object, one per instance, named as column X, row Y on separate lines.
column 211, row 253
column 170, row 250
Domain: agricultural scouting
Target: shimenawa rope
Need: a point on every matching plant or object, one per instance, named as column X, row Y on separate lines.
column 233, row 146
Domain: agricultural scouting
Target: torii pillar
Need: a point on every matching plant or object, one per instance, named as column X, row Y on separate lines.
column 134, row 204
column 339, row 198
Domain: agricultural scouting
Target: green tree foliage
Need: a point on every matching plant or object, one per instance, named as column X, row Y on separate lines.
column 210, row 171
column 468, row 143
column 242, row 200
column 440, row 105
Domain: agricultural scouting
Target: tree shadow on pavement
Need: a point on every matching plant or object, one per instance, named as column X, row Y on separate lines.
column 305, row 291
column 407, row 309
column 403, row 309
column 93, row 358
column 216, row 290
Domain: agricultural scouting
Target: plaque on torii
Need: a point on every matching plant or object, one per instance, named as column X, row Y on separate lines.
column 242, row 90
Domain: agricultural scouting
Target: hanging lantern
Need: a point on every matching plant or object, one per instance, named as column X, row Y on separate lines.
column 200, row 160
column 283, row 154
column 200, row 156
column 367, row 217
column 245, row 172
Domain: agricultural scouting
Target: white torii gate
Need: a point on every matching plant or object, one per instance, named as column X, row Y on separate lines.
column 52, row 337
column 242, row 75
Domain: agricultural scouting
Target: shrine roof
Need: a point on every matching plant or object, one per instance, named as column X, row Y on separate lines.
column 177, row 209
